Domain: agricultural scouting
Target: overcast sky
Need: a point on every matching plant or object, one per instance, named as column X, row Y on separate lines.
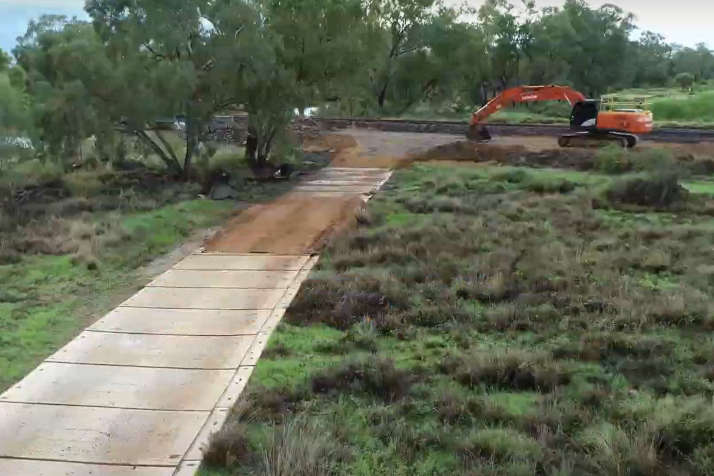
column 684, row 21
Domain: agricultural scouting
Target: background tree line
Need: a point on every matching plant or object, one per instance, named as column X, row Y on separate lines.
column 136, row 62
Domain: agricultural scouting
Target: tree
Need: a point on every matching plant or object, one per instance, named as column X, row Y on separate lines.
column 685, row 80
column 698, row 61
column 70, row 82
column 14, row 114
column 5, row 61
column 503, row 36
column 175, row 58
column 652, row 57
column 310, row 50
column 321, row 43
column 402, row 25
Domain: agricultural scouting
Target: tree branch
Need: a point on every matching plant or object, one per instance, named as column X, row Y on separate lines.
column 166, row 144
column 172, row 165
column 151, row 50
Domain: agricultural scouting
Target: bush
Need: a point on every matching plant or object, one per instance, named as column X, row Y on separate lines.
column 83, row 184
column 546, row 184
column 228, row 446
column 299, row 448
column 685, row 80
column 656, row 161
column 612, row 160
column 696, row 108
column 379, row 378
column 343, row 302
column 512, row 176
column 507, row 369
column 653, row 190
column 502, row 445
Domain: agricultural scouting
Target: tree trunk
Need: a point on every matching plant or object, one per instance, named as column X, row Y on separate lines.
column 188, row 157
column 383, row 95
column 251, row 146
column 172, row 165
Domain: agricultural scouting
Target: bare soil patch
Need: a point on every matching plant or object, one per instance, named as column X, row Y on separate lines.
column 387, row 149
column 293, row 224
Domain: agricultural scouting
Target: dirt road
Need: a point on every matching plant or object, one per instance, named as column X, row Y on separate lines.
column 291, row 224
column 326, row 202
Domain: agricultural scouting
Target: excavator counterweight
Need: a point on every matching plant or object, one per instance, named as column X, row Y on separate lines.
column 593, row 122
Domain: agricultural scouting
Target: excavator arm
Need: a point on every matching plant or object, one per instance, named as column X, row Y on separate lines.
column 522, row 94
column 517, row 95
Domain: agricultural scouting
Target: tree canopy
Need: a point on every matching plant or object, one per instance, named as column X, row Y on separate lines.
column 138, row 62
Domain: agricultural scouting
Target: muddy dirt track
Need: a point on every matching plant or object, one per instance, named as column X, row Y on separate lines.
column 293, row 224
column 301, row 222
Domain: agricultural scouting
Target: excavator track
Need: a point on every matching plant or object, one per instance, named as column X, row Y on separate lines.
column 588, row 139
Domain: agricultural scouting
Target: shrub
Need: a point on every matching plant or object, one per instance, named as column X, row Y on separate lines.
column 612, row 160
column 546, row 184
column 83, row 184
column 618, row 452
column 300, row 448
column 342, row 302
column 274, row 404
column 656, row 160
column 228, row 446
column 502, row 445
column 512, row 176
column 433, row 315
column 654, row 190
column 696, row 108
column 379, row 378
column 685, row 80
column 508, row 369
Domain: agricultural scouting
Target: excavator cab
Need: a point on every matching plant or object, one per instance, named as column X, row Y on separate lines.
column 584, row 115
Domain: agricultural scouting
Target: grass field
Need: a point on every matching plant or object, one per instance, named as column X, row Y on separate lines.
column 46, row 299
column 494, row 321
column 72, row 246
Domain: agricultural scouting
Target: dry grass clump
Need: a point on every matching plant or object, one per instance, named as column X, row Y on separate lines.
column 501, row 446
column 229, row 445
column 511, row 369
column 659, row 190
column 343, row 302
column 299, row 448
column 379, row 378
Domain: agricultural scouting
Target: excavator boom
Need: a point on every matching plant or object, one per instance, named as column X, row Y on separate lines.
column 522, row 94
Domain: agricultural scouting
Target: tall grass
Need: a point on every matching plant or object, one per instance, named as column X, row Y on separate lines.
column 692, row 108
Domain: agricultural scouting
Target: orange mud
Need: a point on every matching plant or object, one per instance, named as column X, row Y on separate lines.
column 296, row 223
column 346, row 152
column 292, row 224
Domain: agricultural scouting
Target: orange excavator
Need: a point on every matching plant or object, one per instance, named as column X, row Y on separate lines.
column 592, row 121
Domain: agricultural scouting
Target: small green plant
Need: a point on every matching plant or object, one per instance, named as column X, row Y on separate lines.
column 612, row 160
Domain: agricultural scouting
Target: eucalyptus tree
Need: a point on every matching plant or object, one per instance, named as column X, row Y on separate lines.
column 61, row 63
column 176, row 58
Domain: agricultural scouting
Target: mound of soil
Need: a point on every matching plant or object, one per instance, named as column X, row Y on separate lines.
column 510, row 155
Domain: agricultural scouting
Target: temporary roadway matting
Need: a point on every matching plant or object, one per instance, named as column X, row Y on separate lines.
column 141, row 390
